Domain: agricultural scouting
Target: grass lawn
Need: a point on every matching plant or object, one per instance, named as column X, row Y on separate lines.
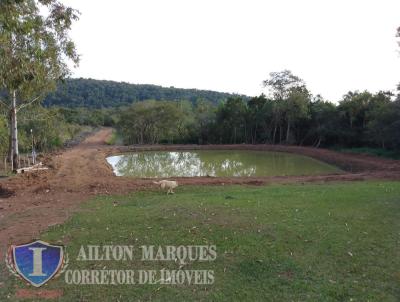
column 314, row 242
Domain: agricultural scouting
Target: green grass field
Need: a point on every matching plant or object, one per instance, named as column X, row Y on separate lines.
column 314, row 242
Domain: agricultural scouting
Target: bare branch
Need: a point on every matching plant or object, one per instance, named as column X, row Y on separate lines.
column 4, row 104
column 29, row 103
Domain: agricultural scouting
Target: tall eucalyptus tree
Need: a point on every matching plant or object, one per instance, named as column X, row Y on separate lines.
column 35, row 48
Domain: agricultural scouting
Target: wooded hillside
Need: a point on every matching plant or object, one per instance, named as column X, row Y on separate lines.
column 97, row 94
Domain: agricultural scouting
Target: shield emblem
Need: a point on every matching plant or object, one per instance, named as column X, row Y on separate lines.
column 37, row 262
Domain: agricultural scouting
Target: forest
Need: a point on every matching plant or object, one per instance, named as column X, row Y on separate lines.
column 360, row 119
column 289, row 114
column 98, row 94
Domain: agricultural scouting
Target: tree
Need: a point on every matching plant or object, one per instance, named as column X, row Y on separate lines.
column 358, row 112
column 3, row 137
column 258, row 110
column 398, row 87
column 381, row 115
column 296, row 108
column 231, row 121
column 353, row 108
column 151, row 122
column 282, row 83
column 290, row 94
column 204, row 119
column 323, row 127
column 92, row 93
column 33, row 53
column 185, row 119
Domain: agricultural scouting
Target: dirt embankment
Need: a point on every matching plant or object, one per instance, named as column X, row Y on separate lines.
column 32, row 202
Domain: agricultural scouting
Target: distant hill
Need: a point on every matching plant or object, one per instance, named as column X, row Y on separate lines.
column 97, row 94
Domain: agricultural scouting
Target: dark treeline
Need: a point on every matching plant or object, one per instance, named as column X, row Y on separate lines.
column 98, row 94
column 290, row 115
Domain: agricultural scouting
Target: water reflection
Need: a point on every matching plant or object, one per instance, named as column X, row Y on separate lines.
column 215, row 163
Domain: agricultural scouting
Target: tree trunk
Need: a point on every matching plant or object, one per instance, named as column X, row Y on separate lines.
column 14, row 132
column 254, row 138
column 245, row 133
column 288, row 131
column 9, row 154
column 274, row 135
column 319, row 143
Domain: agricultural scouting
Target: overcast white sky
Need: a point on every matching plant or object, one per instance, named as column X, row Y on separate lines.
column 232, row 45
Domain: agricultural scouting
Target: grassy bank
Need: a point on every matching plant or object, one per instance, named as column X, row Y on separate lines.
column 371, row 151
column 114, row 139
column 327, row 242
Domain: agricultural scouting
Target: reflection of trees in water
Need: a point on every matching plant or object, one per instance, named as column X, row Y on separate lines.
column 216, row 163
column 158, row 164
column 186, row 164
column 224, row 163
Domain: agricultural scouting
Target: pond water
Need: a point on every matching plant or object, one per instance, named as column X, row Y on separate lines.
column 218, row 163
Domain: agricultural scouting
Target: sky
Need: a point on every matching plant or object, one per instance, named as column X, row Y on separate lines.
column 232, row 45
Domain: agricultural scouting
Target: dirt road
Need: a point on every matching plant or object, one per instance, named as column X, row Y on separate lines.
column 32, row 202
column 44, row 198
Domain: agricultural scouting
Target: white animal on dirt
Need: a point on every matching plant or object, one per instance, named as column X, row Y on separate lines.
column 169, row 184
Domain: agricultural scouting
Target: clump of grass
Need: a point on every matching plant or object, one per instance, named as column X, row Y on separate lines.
column 114, row 139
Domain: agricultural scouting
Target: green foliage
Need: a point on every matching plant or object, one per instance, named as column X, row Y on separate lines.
column 322, row 126
column 365, row 118
column 98, row 94
column 291, row 115
column 113, row 139
column 49, row 127
column 34, row 49
column 204, row 120
column 360, row 119
column 34, row 46
column 281, row 84
column 231, row 121
column 89, row 116
column 259, row 117
column 291, row 102
column 4, row 137
column 151, row 122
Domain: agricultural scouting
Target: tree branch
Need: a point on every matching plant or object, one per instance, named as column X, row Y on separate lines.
column 27, row 104
column 4, row 104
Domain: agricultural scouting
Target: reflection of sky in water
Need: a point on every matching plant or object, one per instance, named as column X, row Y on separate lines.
column 215, row 163
column 113, row 161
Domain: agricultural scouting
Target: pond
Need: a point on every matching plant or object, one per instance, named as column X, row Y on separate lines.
column 216, row 163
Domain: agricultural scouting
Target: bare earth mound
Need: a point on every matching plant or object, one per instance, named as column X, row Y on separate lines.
column 31, row 202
